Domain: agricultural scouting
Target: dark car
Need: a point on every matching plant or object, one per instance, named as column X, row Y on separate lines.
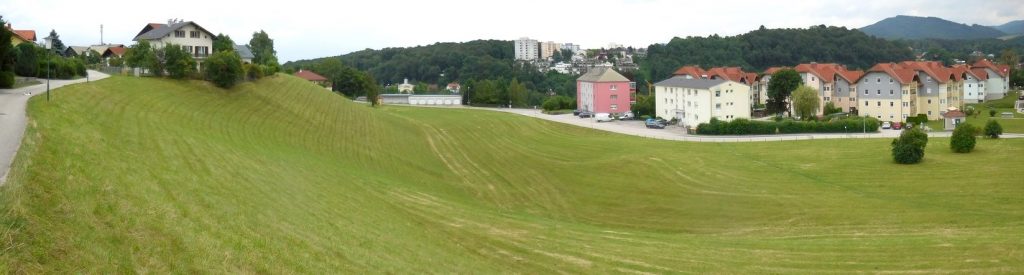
column 586, row 114
column 576, row 112
column 653, row 123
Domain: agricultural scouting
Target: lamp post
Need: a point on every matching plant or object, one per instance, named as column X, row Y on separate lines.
column 48, row 61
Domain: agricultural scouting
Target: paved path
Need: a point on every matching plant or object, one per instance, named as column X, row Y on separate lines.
column 13, row 120
column 637, row 128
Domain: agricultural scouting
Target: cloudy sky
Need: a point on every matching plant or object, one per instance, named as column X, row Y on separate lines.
column 317, row 28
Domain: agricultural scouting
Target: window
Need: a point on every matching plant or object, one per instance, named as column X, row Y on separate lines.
column 890, row 103
column 865, row 103
column 852, row 99
column 718, row 106
column 826, row 98
column 890, row 80
column 942, row 101
column 879, row 104
column 614, row 87
column 865, row 91
column 179, row 33
column 814, row 79
column 878, row 79
column 193, row 34
column 904, row 104
column 929, row 101
column 891, row 92
column 614, row 97
column 904, row 116
column 879, row 91
column 929, row 112
column 615, row 106
column 718, row 93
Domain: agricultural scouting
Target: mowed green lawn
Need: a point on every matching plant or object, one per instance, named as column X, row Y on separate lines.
column 279, row 176
column 1005, row 104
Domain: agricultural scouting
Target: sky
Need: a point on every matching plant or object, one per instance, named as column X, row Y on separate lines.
column 318, row 28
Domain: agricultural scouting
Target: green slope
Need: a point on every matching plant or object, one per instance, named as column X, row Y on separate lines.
column 279, row 176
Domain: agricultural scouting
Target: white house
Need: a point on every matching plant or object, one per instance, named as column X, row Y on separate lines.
column 405, row 87
column 695, row 101
column 191, row 37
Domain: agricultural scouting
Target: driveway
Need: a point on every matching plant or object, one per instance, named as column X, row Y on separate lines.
column 13, row 120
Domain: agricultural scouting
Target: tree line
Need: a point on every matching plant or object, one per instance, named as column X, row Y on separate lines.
column 31, row 60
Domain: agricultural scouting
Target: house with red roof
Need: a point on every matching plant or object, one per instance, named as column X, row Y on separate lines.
column 997, row 81
column 21, row 36
column 972, row 83
column 833, row 82
column 940, row 87
column 312, row 77
column 888, row 92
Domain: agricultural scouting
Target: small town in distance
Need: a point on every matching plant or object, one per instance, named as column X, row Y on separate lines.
column 462, row 137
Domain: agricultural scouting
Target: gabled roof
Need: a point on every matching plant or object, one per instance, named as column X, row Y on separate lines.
column 151, row 33
column 311, row 76
column 934, row 69
column 27, row 35
column 692, row 71
column 728, row 73
column 692, row 83
column 772, row 70
column 980, row 73
column 244, row 52
column 903, row 75
column 954, row 114
column 602, row 74
column 76, row 50
column 851, row 76
column 1002, row 70
column 115, row 51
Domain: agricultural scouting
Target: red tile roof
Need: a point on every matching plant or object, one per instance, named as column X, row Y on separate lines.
column 772, row 70
column 27, row 35
column 311, row 76
column 729, row 73
column 119, row 51
column 693, row 71
column 954, row 113
column 934, row 69
column 1002, row 70
column 903, row 75
column 980, row 73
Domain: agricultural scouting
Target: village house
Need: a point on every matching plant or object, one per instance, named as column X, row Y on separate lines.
column 21, row 36
column 188, row 35
column 312, row 77
column 244, row 53
column 695, row 100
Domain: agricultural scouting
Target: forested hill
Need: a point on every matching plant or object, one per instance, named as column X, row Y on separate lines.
column 478, row 59
column 764, row 48
column 913, row 27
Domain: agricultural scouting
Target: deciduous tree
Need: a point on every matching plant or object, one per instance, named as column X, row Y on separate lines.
column 805, row 102
column 223, row 42
column 223, row 68
column 179, row 63
column 782, row 84
column 908, row 148
column 963, row 139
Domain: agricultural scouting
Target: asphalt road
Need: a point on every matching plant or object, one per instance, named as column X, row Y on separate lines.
column 13, row 119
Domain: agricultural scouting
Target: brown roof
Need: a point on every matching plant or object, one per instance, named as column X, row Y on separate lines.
column 772, row 70
column 980, row 73
column 729, row 73
column 311, row 76
column 118, row 51
column 934, row 69
column 692, row 71
column 903, row 75
column 953, row 114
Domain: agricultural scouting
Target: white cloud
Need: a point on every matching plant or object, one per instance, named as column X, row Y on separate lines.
column 317, row 28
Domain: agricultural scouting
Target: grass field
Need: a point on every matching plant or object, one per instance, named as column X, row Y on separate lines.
column 1005, row 104
column 159, row 176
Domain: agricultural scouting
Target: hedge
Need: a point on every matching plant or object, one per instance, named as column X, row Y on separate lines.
column 749, row 127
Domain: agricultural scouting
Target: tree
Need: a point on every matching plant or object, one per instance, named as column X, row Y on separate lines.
column 157, row 64
column 805, row 102
column 263, row 49
column 140, row 55
column 223, row 42
column 91, row 57
column 223, row 68
column 830, row 108
column 28, row 60
column 644, row 105
column 7, row 56
column 372, row 91
column 908, row 148
column 551, row 104
column 993, row 129
column 179, row 63
column 517, row 93
column 57, row 46
column 782, row 84
column 963, row 139
column 1009, row 57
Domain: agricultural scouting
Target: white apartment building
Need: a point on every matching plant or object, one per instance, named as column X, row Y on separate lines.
column 526, row 49
column 696, row 101
column 549, row 49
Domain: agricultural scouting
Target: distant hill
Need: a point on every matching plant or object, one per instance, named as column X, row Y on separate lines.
column 911, row 27
column 1013, row 27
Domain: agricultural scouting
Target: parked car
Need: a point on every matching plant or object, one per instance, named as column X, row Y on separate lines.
column 586, row 114
column 603, row 117
column 576, row 112
column 897, row 125
column 626, row 116
column 886, row 125
column 654, row 123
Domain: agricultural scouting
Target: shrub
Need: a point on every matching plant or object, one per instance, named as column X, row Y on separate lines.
column 908, row 148
column 969, row 111
column 551, row 104
column 6, row 80
column 993, row 129
column 991, row 113
column 77, row 66
column 963, row 139
column 179, row 63
column 28, row 62
column 223, row 69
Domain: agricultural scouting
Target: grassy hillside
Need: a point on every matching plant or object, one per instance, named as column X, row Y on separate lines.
column 913, row 27
column 157, row 176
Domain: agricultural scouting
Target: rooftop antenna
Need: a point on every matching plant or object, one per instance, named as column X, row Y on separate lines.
column 101, row 34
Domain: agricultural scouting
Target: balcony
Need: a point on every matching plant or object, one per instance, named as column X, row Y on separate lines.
column 200, row 55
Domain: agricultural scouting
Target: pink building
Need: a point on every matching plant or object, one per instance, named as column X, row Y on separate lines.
column 603, row 90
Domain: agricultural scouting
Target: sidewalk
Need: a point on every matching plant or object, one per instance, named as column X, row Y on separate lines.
column 13, row 119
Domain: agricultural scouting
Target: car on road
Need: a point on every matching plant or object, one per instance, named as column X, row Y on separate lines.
column 626, row 116
column 897, row 125
column 586, row 114
column 886, row 125
column 654, row 124
column 603, row 117
column 576, row 112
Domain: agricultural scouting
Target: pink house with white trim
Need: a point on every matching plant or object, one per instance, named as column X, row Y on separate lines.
column 603, row 90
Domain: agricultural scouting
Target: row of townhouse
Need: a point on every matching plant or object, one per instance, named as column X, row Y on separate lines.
column 887, row 91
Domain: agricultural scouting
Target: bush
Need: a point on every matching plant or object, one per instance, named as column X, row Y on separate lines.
column 749, row 127
column 223, row 69
column 28, row 62
column 991, row 113
column 6, row 80
column 969, row 111
column 179, row 63
column 993, row 129
column 908, row 148
column 963, row 139
column 553, row 103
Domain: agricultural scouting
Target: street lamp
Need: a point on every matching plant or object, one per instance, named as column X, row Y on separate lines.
column 49, row 45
